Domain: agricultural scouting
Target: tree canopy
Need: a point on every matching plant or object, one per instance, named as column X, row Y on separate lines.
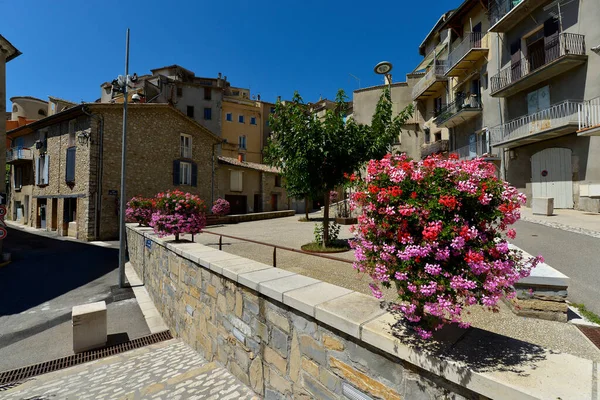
column 313, row 154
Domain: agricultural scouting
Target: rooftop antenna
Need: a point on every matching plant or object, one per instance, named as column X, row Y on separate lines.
column 357, row 78
column 557, row 14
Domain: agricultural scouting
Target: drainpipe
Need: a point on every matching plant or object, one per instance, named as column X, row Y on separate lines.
column 499, row 62
column 100, row 120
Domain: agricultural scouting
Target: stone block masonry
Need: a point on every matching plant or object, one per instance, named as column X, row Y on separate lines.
column 284, row 339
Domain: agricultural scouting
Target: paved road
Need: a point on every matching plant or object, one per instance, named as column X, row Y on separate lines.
column 573, row 254
column 168, row 370
column 46, row 278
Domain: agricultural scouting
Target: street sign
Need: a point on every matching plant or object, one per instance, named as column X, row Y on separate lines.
column 149, row 244
column 2, row 211
column 113, row 192
column 3, row 232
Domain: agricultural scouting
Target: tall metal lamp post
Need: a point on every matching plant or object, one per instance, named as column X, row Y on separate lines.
column 120, row 85
column 384, row 68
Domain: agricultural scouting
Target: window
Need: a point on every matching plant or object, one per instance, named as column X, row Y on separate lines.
column 207, row 93
column 41, row 176
column 70, row 167
column 438, row 136
column 185, row 173
column 241, row 119
column 72, row 133
column 42, row 112
column 252, row 120
column 538, row 100
column 186, row 146
column 229, row 117
column 190, row 111
column 272, row 110
column 277, row 180
column 179, row 91
column 427, row 135
column 235, row 181
column 18, row 178
column 208, row 113
column 437, row 105
column 242, row 142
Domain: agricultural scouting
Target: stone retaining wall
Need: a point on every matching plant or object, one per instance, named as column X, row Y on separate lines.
column 290, row 336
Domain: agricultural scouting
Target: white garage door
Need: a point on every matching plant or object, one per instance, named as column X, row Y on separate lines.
column 552, row 176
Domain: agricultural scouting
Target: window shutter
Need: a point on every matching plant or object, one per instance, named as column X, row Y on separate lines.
column 70, row 174
column 46, row 169
column 176, row 172
column 194, row 174
column 37, row 171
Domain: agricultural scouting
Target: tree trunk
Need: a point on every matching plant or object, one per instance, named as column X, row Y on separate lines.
column 326, row 221
column 306, row 207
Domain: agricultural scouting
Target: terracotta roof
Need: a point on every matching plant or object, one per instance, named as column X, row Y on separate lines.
column 249, row 165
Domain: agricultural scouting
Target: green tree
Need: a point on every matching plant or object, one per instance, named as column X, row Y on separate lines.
column 314, row 154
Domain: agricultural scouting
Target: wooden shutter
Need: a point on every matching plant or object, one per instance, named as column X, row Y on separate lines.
column 176, row 172
column 46, row 169
column 194, row 174
column 70, row 173
column 37, row 171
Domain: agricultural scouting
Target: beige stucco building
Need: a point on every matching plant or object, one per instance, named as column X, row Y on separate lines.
column 242, row 126
column 69, row 180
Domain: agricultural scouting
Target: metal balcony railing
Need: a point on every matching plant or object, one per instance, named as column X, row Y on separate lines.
column 472, row 40
column 478, row 148
column 560, row 46
column 556, row 116
column 588, row 114
column 461, row 102
column 19, row 153
column 432, row 148
column 437, row 71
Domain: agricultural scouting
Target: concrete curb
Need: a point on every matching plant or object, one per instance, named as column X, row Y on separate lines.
column 557, row 225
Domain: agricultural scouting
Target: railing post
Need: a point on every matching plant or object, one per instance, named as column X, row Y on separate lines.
column 274, row 257
column 220, row 242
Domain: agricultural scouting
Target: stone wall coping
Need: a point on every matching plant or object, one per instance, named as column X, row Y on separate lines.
column 549, row 375
column 543, row 274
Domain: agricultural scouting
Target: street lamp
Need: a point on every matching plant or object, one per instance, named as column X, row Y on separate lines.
column 120, row 85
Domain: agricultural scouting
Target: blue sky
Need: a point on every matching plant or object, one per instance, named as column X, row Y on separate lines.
column 273, row 47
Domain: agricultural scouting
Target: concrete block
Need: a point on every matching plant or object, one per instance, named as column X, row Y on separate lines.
column 253, row 279
column 233, row 271
column 349, row 312
column 205, row 259
column 305, row 299
column 542, row 205
column 217, row 266
column 72, row 229
column 89, row 326
column 276, row 288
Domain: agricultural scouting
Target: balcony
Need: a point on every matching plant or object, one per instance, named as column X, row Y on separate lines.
column 432, row 82
column 462, row 109
column 472, row 49
column 560, row 54
column 557, row 120
column 505, row 14
column 428, row 149
column 19, row 154
column 479, row 148
column 589, row 118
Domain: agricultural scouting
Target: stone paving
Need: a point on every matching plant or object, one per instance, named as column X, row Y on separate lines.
column 567, row 220
column 168, row 370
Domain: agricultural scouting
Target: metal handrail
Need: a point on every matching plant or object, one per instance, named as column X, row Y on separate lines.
column 461, row 102
column 589, row 114
column 472, row 40
column 560, row 46
column 556, row 115
column 19, row 153
column 275, row 247
column 437, row 71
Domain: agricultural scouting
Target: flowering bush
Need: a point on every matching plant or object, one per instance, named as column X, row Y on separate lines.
column 221, row 207
column 434, row 229
column 139, row 210
column 177, row 212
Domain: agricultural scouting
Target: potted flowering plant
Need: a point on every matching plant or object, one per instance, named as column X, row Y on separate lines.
column 178, row 213
column 221, row 207
column 436, row 230
column 139, row 209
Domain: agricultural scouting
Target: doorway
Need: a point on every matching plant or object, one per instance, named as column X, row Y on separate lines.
column 54, row 218
column 273, row 202
column 258, row 203
column 42, row 213
column 552, row 176
column 237, row 203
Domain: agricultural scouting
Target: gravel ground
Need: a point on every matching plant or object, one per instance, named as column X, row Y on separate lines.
column 292, row 233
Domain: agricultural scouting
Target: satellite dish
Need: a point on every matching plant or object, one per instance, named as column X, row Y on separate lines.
column 383, row 68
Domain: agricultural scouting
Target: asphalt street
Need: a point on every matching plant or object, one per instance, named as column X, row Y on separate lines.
column 46, row 278
column 573, row 254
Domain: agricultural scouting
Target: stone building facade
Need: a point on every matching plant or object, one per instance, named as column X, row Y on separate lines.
column 75, row 165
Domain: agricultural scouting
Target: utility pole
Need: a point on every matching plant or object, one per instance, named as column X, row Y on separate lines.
column 122, row 232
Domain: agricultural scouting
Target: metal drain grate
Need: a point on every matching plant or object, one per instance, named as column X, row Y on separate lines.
column 8, row 378
column 592, row 333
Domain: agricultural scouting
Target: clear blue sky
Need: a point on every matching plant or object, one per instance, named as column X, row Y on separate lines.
column 273, row 47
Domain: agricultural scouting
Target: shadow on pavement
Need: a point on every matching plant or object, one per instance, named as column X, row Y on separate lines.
column 44, row 268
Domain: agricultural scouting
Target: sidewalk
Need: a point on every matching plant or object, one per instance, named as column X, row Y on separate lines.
column 568, row 220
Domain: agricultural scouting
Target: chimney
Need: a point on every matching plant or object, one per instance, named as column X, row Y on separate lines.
column 240, row 157
column 219, row 75
column 278, row 98
column 258, row 97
